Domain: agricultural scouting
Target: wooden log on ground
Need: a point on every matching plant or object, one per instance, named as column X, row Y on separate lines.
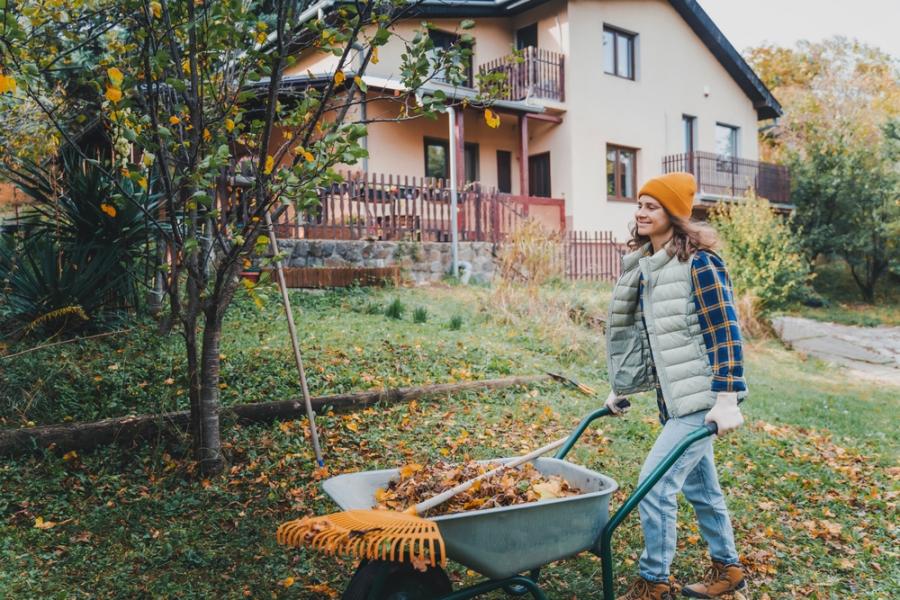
column 85, row 436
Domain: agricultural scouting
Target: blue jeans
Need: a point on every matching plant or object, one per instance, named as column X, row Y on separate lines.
column 694, row 474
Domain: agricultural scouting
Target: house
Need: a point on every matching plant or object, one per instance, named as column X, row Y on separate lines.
column 634, row 88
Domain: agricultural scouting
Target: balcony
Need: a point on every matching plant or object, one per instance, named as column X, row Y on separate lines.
column 724, row 177
column 536, row 73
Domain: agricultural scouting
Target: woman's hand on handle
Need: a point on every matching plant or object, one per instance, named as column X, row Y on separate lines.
column 612, row 402
column 725, row 414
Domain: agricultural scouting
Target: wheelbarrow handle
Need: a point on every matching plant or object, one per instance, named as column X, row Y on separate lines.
column 585, row 422
column 635, row 498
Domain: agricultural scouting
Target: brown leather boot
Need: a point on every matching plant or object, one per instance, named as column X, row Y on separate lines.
column 641, row 589
column 720, row 579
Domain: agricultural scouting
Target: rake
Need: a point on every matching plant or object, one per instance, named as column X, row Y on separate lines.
column 388, row 535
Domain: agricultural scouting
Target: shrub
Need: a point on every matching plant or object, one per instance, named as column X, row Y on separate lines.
column 763, row 255
column 372, row 308
column 395, row 309
column 530, row 256
column 456, row 322
column 420, row 315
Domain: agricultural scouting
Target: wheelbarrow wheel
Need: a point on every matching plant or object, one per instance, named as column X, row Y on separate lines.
column 382, row 580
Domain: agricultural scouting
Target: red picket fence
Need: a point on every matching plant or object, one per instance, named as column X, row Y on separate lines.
column 592, row 255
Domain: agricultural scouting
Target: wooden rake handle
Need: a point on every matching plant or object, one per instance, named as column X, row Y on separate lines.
column 426, row 505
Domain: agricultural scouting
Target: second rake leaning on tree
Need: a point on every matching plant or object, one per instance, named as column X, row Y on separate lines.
column 673, row 328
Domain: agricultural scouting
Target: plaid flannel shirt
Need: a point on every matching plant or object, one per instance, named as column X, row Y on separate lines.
column 714, row 300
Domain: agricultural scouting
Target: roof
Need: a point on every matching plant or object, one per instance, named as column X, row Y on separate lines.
column 767, row 107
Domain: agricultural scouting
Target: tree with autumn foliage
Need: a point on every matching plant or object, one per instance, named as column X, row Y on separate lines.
column 184, row 90
column 839, row 135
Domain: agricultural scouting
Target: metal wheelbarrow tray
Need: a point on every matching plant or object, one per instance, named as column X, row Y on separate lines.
column 501, row 542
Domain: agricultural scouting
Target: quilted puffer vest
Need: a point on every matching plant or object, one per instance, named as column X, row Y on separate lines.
column 676, row 344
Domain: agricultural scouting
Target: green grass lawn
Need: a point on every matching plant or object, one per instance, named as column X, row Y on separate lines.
column 811, row 480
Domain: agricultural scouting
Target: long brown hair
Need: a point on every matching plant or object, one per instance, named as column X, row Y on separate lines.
column 688, row 236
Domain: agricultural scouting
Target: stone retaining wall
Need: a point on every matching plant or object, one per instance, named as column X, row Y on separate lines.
column 423, row 262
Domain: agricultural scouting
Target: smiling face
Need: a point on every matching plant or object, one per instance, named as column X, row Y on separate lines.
column 652, row 219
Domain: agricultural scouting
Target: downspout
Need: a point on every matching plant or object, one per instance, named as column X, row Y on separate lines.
column 363, row 112
column 454, row 234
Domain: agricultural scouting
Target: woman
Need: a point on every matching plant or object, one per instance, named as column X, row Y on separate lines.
column 673, row 328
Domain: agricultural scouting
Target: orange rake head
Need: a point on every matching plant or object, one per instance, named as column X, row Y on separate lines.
column 371, row 534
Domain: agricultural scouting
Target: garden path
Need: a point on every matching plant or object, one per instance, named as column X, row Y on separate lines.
column 870, row 353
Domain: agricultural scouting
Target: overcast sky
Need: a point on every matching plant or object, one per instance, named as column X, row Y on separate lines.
column 784, row 22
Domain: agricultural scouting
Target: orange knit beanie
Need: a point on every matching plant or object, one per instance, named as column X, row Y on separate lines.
column 675, row 191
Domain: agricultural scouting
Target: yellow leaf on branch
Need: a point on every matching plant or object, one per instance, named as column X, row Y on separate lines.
column 339, row 77
column 115, row 77
column 491, row 118
column 113, row 94
column 7, row 84
column 156, row 9
column 270, row 164
column 109, row 209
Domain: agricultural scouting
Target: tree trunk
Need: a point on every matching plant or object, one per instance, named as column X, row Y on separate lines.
column 208, row 439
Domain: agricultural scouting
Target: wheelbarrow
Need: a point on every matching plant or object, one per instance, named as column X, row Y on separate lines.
column 510, row 544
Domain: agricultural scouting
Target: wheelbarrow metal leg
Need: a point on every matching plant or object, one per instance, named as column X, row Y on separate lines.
column 635, row 498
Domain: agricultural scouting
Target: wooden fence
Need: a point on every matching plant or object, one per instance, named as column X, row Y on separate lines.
column 592, row 255
column 388, row 207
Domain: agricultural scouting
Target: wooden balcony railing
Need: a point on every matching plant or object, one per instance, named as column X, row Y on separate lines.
column 724, row 176
column 537, row 73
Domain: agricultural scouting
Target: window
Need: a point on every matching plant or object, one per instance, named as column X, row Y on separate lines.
column 618, row 53
column 437, row 159
column 539, row 175
column 689, row 124
column 726, row 140
column 460, row 73
column 504, row 171
column 620, row 172
column 527, row 36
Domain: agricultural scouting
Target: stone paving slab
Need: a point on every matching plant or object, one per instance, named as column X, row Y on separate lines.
column 872, row 353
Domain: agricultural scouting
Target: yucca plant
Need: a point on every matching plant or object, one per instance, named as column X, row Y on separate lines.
column 81, row 211
column 46, row 289
column 420, row 315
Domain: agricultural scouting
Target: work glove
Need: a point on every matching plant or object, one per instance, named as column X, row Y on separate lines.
column 725, row 414
column 611, row 402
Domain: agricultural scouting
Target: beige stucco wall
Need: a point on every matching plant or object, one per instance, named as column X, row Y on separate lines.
column 673, row 69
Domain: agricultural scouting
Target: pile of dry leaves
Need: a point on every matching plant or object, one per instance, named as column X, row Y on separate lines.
column 510, row 486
